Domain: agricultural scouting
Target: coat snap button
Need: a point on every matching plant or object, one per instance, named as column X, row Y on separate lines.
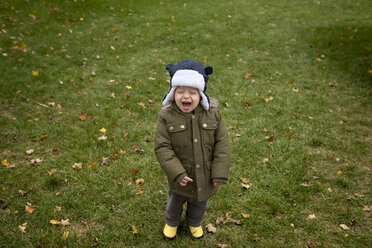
column 200, row 189
column 171, row 128
column 182, row 126
column 195, row 140
column 197, row 166
column 205, row 125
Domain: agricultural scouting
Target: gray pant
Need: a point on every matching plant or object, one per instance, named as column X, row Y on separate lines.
column 194, row 213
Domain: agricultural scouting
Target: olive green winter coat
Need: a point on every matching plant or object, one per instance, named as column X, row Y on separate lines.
column 195, row 145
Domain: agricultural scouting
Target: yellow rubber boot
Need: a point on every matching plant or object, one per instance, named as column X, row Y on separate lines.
column 169, row 232
column 196, row 232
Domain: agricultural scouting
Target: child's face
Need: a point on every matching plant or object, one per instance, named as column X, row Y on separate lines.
column 186, row 98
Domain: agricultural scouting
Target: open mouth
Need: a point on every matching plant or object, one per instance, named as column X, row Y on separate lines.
column 186, row 104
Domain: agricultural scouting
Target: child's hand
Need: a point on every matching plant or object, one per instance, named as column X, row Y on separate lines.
column 185, row 180
column 215, row 184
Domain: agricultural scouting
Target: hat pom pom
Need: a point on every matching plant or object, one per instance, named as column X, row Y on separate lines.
column 208, row 70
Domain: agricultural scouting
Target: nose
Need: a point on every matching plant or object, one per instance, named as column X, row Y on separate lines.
column 186, row 95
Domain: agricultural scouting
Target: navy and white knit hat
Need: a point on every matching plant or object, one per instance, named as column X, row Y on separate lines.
column 188, row 73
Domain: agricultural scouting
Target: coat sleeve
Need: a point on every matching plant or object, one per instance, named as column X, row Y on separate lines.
column 165, row 154
column 221, row 155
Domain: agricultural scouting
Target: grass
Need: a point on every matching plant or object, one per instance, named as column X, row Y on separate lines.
column 106, row 58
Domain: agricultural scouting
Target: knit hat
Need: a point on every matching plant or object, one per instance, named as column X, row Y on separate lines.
column 188, row 73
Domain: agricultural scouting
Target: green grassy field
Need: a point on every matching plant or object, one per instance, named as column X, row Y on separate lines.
column 83, row 81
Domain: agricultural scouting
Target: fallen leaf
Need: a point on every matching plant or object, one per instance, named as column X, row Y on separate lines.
column 102, row 138
column 83, row 117
column 30, row 151
column 244, row 179
column 366, row 208
column 22, row 228
column 5, row 163
column 339, row 172
column 43, row 137
column 51, row 172
column 35, row 73
column 140, row 181
column 344, row 227
column 54, row 222
column 220, row 220
column 95, row 241
column 57, row 209
column 65, row 235
column 255, row 237
column 141, row 104
column 358, row 195
column 65, row 222
column 245, row 186
column 247, row 75
column 55, row 152
column 311, row 217
column 105, row 160
column 210, row 228
column 134, row 229
column 30, row 209
column 247, row 216
column 92, row 165
column 134, row 170
column 77, row 166
column 265, row 160
column 103, row 130
column 22, row 192
column 128, row 87
column 222, row 245
column 122, row 152
column 36, row 161
column 237, row 222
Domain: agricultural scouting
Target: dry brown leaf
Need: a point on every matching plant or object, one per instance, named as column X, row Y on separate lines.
column 245, row 186
column 22, row 228
column 311, row 217
column 30, row 209
column 29, row 151
column 65, row 222
column 344, row 227
column 366, row 208
column 220, row 220
column 244, row 179
column 22, row 192
column 134, row 229
column 36, row 161
column 210, row 228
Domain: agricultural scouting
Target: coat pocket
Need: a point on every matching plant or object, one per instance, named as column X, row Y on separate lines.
column 208, row 130
column 180, row 138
